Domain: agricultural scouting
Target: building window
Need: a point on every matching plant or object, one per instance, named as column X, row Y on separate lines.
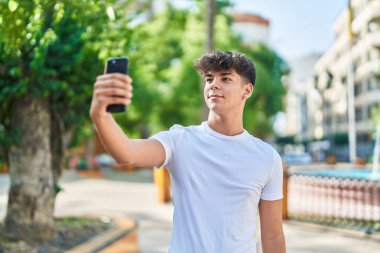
column 365, row 113
column 373, row 84
column 358, row 114
column 368, row 111
column 364, row 85
column 344, row 80
column 328, row 121
column 354, row 66
column 343, row 119
column 339, row 119
column 373, row 27
column 357, row 89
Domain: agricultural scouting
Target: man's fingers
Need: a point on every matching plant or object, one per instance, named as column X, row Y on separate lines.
column 112, row 83
column 113, row 92
column 121, row 77
column 112, row 88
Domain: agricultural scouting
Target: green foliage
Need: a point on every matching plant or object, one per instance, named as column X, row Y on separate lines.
column 55, row 49
column 183, row 105
column 266, row 100
column 154, row 46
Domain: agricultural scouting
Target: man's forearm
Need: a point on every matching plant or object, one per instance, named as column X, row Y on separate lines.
column 113, row 138
column 117, row 88
column 274, row 245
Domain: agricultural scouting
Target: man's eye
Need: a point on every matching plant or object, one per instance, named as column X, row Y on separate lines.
column 227, row 79
column 208, row 80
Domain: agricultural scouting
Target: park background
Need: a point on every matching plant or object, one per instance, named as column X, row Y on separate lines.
column 52, row 51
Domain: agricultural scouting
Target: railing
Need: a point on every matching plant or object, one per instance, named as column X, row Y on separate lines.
column 334, row 200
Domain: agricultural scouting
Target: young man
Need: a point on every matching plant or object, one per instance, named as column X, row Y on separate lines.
column 221, row 175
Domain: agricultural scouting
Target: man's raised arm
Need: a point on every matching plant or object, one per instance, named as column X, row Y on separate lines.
column 117, row 89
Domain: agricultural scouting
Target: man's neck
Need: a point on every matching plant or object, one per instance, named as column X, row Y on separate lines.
column 228, row 125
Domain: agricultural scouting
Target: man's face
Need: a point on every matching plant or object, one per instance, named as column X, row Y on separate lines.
column 225, row 90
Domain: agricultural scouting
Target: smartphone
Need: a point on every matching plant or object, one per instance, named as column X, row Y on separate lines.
column 117, row 65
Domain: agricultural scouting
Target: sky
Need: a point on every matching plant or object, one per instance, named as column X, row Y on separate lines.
column 297, row 27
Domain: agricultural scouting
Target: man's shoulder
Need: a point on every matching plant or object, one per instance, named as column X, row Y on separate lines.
column 262, row 145
column 176, row 127
column 181, row 128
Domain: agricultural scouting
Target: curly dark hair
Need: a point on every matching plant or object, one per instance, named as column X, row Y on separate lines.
column 218, row 60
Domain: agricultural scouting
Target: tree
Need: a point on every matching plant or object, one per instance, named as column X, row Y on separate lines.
column 50, row 52
column 266, row 99
column 211, row 9
column 184, row 103
column 154, row 48
column 49, row 57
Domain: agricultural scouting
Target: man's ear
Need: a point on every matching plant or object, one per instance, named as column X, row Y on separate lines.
column 248, row 89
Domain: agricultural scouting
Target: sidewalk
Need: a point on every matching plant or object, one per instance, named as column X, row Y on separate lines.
column 133, row 195
column 129, row 195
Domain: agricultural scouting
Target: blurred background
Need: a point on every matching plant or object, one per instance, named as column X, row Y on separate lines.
column 316, row 98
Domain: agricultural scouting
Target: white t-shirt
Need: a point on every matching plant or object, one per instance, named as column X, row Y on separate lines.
column 217, row 182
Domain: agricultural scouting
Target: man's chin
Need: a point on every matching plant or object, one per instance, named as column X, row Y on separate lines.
column 215, row 108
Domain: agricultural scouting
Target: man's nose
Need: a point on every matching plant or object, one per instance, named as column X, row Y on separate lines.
column 214, row 85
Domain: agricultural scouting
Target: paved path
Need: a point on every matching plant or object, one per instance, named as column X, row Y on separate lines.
column 133, row 195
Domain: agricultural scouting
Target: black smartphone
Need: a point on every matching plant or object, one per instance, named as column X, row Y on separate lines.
column 117, row 65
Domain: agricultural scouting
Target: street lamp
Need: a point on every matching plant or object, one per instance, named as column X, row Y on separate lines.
column 350, row 90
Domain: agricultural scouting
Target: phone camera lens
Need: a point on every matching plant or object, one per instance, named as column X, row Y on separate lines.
column 113, row 61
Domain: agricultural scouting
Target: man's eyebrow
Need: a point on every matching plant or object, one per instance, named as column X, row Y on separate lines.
column 226, row 73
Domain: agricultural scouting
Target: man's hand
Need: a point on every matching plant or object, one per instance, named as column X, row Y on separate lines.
column 110, row 89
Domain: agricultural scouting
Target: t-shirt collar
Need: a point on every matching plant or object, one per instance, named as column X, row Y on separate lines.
column 214, row 133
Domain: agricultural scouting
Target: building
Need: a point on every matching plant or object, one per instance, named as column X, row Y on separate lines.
column 331, row 72
column 300, row 97
column 251, row 28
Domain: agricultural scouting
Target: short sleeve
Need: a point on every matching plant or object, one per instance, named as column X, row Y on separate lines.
column 169, row 140
column 273, row 188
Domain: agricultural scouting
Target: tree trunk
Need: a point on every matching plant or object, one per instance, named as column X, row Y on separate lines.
column 211, row 5
column 58, row 148
column 31, row 196
column 209, row 47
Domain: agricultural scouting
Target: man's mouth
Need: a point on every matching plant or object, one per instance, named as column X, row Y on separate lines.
column 215, row 96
